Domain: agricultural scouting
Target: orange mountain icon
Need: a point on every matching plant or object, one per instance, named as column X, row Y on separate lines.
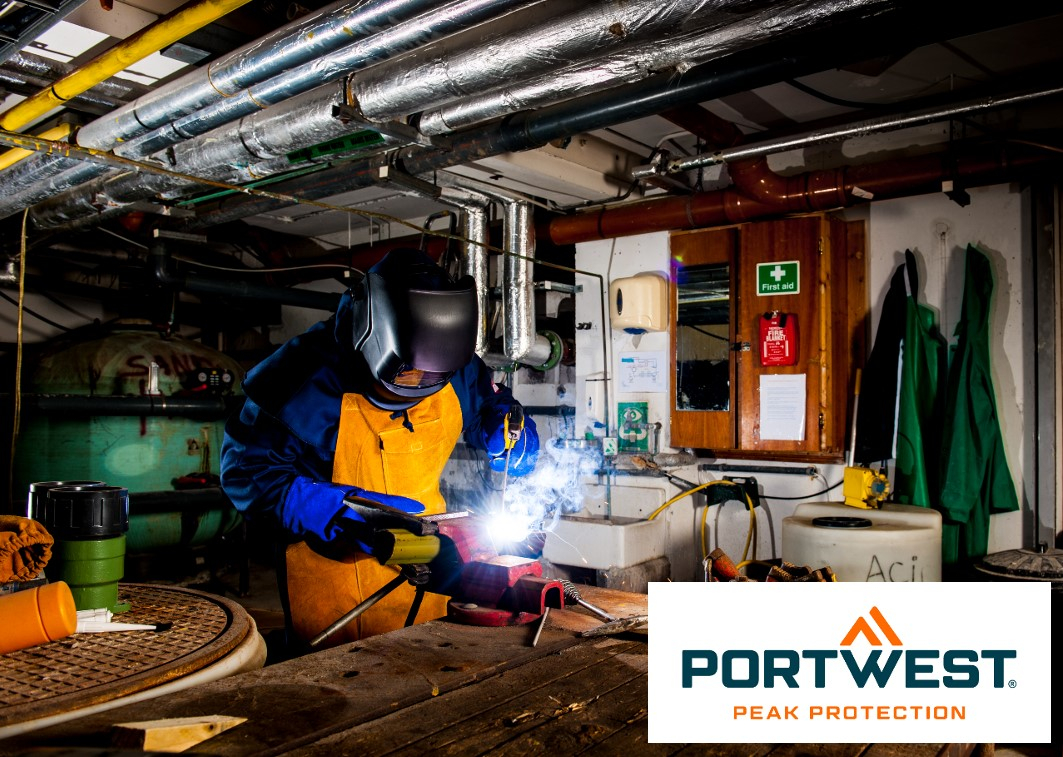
column 861, row 626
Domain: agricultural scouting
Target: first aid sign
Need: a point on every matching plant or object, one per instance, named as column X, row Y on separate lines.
column 779, row 278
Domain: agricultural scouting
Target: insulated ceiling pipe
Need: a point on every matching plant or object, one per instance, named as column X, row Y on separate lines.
column 834, row 188
column 25, row 73
column 199, row 105
column 556, row 40
column 645, row 36
column 768, row 64
column 520, row 342
column 636, row 59
column 164, row 32
column 474, row 208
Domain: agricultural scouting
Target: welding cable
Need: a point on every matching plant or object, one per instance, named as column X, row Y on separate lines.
column 804, row 496
column 704, row 514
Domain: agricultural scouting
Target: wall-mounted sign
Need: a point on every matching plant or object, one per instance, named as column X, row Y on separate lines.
column 779, row 278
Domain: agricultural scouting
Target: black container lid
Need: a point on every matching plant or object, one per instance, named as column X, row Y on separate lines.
column 838, row 521
column 85, row 512
column 36, row 508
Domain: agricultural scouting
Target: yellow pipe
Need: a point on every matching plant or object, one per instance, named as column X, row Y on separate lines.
column 14, row 155
column 164, row 32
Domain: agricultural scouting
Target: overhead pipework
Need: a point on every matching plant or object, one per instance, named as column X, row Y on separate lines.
column 313, row 51
column 475, row 208
column 519, row 51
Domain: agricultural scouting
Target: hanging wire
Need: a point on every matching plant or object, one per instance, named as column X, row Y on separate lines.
column 23, row 309
column 17, row 410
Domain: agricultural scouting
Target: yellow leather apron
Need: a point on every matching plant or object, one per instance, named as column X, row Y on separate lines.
column 375, row 452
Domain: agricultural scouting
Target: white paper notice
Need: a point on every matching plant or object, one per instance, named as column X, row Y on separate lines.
column 782, row 407
column 643, row 372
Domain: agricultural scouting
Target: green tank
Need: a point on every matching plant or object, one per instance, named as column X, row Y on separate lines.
column 81, row 421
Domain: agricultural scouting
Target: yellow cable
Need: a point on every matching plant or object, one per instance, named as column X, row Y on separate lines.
column 163, row 32
column 705, row 515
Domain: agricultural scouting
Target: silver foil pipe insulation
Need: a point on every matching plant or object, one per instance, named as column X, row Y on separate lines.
column 520, row 342
column 701, row 39
column 515, row 47
column 306, row 39
column 475, row 208
column 533, row 43
column 354, row 36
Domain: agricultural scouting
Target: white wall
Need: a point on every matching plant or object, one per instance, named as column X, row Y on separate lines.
column 938, row 231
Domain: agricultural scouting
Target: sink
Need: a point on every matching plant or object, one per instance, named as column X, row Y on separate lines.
column 604, row 542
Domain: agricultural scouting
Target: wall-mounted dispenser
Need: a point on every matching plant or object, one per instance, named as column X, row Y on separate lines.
column 639, row 303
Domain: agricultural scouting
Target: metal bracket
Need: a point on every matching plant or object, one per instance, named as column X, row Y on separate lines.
column 179, row 235
column 406, row 182
column 161, row 210
column 394, row 129
column 741, row 347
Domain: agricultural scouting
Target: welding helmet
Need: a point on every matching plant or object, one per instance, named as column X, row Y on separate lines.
column 413, row 328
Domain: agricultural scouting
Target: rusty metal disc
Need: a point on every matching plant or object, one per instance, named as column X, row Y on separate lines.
column 89, row 668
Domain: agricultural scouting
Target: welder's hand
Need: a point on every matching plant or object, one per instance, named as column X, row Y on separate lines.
column 525, row 451
column 369, row 515
column 319, row 506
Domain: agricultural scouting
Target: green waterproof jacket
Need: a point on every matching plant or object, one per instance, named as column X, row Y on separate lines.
column 975, row 480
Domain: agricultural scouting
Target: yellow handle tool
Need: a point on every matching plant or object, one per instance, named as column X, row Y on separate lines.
column 512, row 428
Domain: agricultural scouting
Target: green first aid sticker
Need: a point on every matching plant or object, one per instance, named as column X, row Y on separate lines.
column 779, row 278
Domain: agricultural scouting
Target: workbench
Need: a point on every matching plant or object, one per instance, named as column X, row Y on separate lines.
column 443, row 688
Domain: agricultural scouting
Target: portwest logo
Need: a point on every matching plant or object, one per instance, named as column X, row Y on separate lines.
column 920, row 668
column 797, row 663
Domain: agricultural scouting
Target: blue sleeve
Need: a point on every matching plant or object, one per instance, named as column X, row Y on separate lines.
column 267, row 470
column 484, row 405
column 482, row 400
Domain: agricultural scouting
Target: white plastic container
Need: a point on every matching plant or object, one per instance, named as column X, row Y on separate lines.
column 893, row 543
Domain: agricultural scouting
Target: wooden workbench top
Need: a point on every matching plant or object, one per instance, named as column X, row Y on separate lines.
column 440, row 688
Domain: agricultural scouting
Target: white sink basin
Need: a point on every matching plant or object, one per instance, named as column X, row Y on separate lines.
column 602, row 543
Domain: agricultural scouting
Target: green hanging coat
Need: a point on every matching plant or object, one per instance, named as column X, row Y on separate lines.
column 975, row 480
column 920, row 402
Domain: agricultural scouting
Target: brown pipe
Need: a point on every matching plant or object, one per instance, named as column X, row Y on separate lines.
column 811, row 191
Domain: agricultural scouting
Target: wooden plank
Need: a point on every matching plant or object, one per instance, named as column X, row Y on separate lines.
column 171, row 734
column 538, row 697
column 329, row 691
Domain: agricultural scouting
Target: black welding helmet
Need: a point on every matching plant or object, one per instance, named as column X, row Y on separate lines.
column 413, row 328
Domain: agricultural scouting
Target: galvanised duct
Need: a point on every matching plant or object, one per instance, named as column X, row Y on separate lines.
column 288, row 62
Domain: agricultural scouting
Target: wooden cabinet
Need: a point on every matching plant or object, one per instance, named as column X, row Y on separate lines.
column 724, row 398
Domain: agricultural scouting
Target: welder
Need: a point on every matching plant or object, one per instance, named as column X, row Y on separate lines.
column 369, row 403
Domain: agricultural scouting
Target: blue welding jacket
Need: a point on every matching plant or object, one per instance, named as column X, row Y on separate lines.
column 279, row 450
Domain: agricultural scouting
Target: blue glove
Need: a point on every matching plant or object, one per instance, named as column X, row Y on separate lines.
column 525, row 452
column 318, row 508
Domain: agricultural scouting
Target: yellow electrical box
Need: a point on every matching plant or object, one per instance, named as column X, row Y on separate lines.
column 863, row 487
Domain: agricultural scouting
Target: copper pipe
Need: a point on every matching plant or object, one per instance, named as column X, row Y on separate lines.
column 814, row 190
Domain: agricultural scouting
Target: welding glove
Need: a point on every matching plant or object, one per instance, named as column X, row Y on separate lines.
column 525, row 451
column 333, row 512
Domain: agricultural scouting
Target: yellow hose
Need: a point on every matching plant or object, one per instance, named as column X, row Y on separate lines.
column 164, row 32
column 13, row 156
column 704, row 541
